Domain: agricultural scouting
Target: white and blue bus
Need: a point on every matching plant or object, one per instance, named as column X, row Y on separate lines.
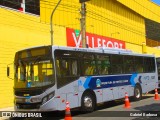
column 47, row 76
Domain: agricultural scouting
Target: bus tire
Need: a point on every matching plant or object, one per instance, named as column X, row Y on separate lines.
column 88, row 102
column 137, row 93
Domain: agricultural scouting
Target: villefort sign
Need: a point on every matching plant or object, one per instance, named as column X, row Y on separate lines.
column 93, row 40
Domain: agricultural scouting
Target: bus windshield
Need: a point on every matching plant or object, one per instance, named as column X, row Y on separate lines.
column 33, row 71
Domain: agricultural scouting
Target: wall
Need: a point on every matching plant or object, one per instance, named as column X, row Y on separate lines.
column 146, row 8
column 19, row 31
column 104, row 17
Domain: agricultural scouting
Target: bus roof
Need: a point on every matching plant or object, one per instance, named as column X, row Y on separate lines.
column 95, row 50
column 102, row 50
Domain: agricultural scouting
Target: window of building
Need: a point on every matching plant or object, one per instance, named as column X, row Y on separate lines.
column 32, row 6
column 29, row 6
column 15, row 4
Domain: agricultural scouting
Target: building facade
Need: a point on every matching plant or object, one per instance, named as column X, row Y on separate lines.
column 132, row 25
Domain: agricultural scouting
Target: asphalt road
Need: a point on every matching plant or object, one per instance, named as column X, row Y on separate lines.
column 139, row 110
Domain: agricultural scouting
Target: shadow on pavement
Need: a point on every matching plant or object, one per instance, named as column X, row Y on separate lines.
column 151, row 112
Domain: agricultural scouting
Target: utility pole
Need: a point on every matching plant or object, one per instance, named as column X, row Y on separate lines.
column 83, row 22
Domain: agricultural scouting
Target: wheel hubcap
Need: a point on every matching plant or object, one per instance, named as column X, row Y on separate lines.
column 88, row 102
column 137, row 93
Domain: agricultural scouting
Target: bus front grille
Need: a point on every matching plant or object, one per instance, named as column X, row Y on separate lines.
column 28, row 92
column 28, row 106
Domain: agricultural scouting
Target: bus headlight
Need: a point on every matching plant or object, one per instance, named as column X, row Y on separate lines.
column 34, row 100
column 44, row 100
column 48, row 97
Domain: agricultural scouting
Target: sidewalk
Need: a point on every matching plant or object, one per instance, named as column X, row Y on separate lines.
column 5, row 110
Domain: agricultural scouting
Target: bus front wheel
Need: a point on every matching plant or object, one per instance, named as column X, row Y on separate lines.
column 88, row 102
column 137, row 93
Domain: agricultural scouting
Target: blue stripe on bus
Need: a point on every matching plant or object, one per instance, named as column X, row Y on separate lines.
column 109, row 81
column 85, row 85
column 132, row 79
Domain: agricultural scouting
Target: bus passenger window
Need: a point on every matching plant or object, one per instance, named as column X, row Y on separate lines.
column 117, row 64
column 139, row 64
column 63, row 68
column 89, row 68
column 103, row 64
column 104, row 70
column 129, row 65
column 74, row 67
column 104, row 67
column 66, row 67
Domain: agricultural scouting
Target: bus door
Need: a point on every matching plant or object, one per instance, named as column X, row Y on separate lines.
column 67, row 74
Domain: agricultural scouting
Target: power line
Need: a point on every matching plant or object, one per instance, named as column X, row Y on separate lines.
column 112, row 21
column 94, row 13
column 138, row 32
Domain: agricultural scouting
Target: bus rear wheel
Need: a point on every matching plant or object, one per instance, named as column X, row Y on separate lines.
column 88, row 102
column 137, row 93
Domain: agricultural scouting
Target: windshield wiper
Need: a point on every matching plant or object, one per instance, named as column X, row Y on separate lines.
column 37, row 59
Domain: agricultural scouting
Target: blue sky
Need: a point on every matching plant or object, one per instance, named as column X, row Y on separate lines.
column 156, row 1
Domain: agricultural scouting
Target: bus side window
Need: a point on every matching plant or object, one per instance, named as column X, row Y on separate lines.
column 129, row 64
column 103, row 64
column 64, row 68
column 61, row 67
column 89, row 68
column 117, row 64
column 74, row 67
column 93, row 68
column 86, row 67
column 104, row 67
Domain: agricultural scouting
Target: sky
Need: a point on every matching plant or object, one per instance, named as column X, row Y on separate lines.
column 156, row 1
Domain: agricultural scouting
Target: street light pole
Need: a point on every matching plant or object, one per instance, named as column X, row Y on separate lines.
column 51, row 23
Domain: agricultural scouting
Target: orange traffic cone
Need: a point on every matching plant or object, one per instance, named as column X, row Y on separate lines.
column 67, row 112
column 127, row 103
column 156, row 95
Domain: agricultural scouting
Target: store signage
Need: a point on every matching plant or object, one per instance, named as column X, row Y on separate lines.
column 92, row 40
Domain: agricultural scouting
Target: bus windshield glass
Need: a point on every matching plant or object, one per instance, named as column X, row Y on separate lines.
column 34, row 68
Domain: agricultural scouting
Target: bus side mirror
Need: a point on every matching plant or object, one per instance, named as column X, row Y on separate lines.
column 8, row 71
